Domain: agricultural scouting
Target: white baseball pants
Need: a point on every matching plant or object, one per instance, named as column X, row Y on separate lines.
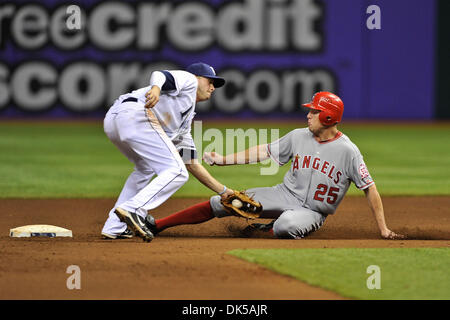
column 145, row 144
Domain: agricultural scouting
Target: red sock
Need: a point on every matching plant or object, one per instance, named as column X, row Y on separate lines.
column 196, row 214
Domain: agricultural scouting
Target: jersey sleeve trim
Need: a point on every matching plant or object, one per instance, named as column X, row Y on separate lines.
column 366, row 185
column 169, row 84
column 188, row 154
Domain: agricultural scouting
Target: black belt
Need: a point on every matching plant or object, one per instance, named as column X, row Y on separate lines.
column 130, row 99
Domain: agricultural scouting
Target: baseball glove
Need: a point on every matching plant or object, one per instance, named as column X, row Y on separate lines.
column 245, row 207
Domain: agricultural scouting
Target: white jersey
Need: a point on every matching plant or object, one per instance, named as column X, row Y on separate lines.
column 321, row 172
column 175, row 109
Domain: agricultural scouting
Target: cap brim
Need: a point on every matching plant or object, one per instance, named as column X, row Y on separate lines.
column 218, row 82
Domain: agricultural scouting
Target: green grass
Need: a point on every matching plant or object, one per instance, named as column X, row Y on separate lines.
column 405, row 273
column 57, row 160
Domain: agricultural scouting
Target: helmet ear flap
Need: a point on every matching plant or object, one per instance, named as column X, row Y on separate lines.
column 326, row 118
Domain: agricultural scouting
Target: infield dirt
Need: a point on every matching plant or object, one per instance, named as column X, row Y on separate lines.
column 187, row 262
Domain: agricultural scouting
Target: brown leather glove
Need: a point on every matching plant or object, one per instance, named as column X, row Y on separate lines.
column 243, row 206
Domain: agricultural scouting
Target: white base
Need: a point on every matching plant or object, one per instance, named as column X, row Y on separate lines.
column 39, row 230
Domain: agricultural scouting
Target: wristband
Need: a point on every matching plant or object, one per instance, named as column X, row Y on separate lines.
column 224, row 190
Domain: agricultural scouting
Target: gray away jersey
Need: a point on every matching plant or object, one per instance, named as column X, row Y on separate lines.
column 321, row 172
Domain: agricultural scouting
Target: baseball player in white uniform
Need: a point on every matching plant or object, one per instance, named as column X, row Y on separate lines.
column 151, row 126
column 323, row 164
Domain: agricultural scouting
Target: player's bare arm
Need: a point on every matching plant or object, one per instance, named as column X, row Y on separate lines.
column 206, row 179
column 251, row 155
column 376, row 206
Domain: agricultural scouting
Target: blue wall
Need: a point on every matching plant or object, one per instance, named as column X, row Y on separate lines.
column 274, row 54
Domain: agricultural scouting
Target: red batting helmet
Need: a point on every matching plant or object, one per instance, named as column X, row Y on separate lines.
column 330, row 105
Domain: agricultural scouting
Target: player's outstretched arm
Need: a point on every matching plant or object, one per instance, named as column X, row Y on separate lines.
column 207, row 179
column 251, row 155
column 376, row 206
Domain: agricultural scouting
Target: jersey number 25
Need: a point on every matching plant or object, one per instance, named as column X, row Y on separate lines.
column 322, row 191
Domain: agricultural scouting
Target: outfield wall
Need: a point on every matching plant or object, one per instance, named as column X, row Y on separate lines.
column 274, row 54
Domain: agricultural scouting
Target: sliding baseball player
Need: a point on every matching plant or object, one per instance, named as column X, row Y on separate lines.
column 323, row 162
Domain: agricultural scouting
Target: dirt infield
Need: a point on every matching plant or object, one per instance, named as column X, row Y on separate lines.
column 187, row 262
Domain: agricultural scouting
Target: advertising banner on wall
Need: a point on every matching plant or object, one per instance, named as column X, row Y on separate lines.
column 60, row 59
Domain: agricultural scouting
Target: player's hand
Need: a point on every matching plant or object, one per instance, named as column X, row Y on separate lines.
column 391, row 235
column 152, row 97
column 227, row 193
column 213, row 158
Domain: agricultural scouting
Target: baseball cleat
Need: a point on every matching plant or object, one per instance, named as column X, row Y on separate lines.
column 127, row 234
column 151, row 225
column 266, row 227
column 136, row 223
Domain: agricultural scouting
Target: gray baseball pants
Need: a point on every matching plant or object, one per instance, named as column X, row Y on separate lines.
column 292, row 220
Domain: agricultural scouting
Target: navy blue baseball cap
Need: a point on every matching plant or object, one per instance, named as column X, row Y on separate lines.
column 205, row 70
